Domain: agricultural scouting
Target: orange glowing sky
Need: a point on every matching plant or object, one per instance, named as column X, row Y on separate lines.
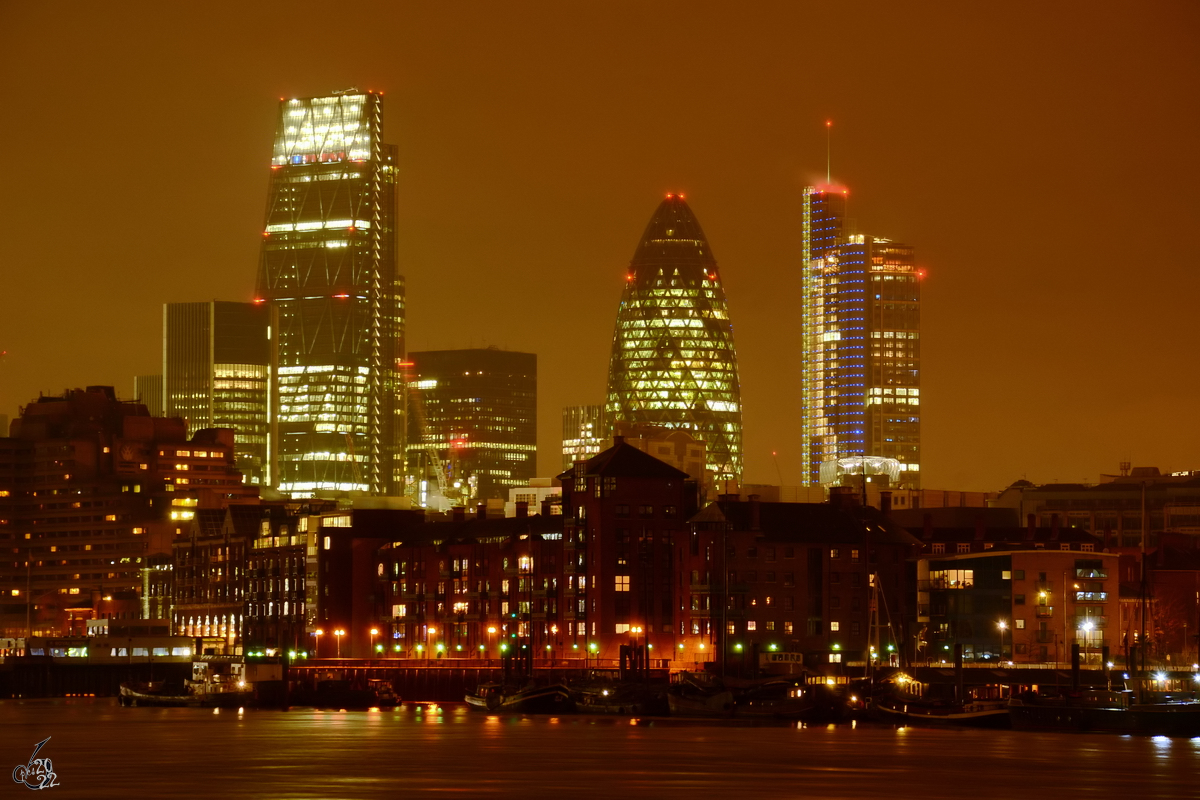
column 1040, row 157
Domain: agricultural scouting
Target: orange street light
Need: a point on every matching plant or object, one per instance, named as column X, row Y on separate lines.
column 339, row 633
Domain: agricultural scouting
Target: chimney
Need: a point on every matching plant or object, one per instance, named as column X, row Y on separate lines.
column 618, row 440
column 481, row 511
column 522, row 509
column 755, row 513
column 928, row 534
column 1054, row 527
column 845, row 497
column 458, row 513
column 1030, row 527
column 885, row 503
column 546, row 506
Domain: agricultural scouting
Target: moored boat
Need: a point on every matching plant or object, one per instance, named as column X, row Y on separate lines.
column 498, row 698
column 1101, row 711
column 899, row 707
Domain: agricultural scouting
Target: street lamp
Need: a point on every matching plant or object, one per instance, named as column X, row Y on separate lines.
column 318, row 633
column 339, row 633
column 374, row 633
column 1086, row 627
column 1003, row 626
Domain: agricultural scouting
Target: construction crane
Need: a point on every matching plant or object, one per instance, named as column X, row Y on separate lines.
column 417, row 401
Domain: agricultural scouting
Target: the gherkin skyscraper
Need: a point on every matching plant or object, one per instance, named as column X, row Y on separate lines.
column 673, row 362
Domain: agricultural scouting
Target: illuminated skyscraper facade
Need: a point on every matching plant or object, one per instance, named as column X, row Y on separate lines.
column 862, row 350
column 582, row 433
column 673, row 362
column 473, row 424
column 328, row 272
column 216, row 366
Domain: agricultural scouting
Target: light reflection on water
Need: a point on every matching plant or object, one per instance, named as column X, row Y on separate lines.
column 101, row 750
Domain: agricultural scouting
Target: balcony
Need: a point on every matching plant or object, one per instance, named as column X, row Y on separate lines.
column 1044, row 611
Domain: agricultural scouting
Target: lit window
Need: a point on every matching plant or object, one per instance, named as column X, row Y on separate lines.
column 835, row 626
column 622, row 583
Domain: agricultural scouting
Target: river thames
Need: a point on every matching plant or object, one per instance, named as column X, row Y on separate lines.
column 100, row 750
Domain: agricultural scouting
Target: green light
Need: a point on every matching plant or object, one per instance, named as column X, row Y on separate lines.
column 592, row 647
column 378, row 648
column 440, row 647
column 291, row 653
column 481, row 648
column 773, row 647
column 503, row 647
column 891, row 648
column 458, row 647
column 837, row 647
column 396, row 648
column 574, row 647
column 547, row 647
column 649, row 647
column 738, row 647
column 420, row 647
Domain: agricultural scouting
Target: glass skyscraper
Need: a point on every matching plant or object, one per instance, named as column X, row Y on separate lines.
column 673, row 362
column 215, row 371
column 862, row 349
column 472, row 424
column 328, row 271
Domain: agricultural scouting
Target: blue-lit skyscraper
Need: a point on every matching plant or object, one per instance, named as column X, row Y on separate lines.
column 862, row 349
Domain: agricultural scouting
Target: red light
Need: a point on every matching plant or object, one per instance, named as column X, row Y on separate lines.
column 920, row 274
column 353, row 229
column 343, row 296
column 259, row 300
column 629, row 277
column 669, row 196
column 266, row 233
column 681, row 195
column 828, row 123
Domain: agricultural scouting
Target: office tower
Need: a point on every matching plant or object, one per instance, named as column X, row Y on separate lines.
column 472, row 424
column 328, row 272
column 673, row 363
column 148, row 390
column 582, row 433
column 215, row 367
column 136, row 479
column 862, row 350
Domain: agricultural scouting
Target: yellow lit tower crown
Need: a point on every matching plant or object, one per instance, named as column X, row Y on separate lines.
column 673, row 362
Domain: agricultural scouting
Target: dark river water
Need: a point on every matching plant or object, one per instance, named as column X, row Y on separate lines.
column 98, row 749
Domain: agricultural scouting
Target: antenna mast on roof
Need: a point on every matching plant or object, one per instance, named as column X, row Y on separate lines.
column 828, row 164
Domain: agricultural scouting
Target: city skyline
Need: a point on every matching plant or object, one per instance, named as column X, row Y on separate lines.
column 1047, row 355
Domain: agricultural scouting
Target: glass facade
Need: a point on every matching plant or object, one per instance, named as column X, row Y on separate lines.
column 328, row 272
column 473, row 424
column 673, row 362
column 862, row 349
column 583, row 433
column 216, row 364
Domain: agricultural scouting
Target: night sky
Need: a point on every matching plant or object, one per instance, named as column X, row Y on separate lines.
column 1041, row 157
